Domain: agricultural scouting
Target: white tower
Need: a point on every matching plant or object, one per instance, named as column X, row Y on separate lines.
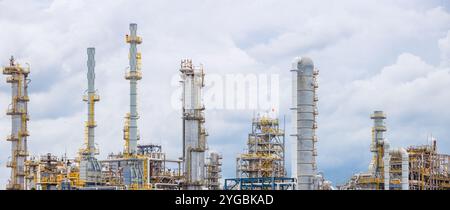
column 304, row 112
column 194, row 133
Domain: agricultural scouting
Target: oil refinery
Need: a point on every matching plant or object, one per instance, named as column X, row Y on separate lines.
column 261, row 166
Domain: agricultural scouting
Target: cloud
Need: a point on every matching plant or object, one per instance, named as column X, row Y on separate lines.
column 444, row 46
column 390, row 55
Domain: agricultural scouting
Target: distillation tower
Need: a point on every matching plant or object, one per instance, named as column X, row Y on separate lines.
column 131, row 135
column 194, row 133
column 213, row 171
column 304, row 112
column 376, row 167
column 90, row 169
column 139, row 167
column 18, row 110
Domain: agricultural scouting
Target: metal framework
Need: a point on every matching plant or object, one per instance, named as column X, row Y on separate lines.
column 265, row 150
column 262, row 183
column 428, row 169
column 262, row 167
column 18, row 110
column 415, row 168
column 148, row 169
column 90, row 169
column 213, row 171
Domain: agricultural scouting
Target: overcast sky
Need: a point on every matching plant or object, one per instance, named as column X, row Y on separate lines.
column 372, row 55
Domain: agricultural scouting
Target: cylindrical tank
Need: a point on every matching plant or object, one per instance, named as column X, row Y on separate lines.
column 304, row 125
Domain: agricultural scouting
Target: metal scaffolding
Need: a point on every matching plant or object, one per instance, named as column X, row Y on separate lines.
column 262, row 166
column 148, row 169
column 429, row 170
column 265, row 150
column 213, row 171
column 18, row 110
column 414, row 168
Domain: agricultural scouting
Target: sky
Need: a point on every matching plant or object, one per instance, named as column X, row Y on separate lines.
column 390, row 55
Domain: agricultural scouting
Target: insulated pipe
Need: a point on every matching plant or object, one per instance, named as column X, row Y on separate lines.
column 386, row 164
column 405, row 169
column 405, row 166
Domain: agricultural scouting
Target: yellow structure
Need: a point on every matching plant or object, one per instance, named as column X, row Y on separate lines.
column 414, row 168
column 18, row 110
column 265, row 150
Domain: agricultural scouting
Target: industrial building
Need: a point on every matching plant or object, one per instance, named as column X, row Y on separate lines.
column 262, row 166
column 18, row 110
column 137, row 166
column 411, row 168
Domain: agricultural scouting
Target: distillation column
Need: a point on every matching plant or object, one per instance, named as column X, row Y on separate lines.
column 18, row 111
column 304, row 111
column 131, row 135
column 90, row 169
column 194, row 133
column 377, row 146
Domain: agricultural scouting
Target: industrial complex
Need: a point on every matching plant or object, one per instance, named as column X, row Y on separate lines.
column 262, row 165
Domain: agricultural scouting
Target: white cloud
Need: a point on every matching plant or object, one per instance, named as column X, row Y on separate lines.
column 444, row 46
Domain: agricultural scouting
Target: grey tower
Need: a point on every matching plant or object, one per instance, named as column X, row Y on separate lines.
column 90, row 169
column 304, row 111
column 18, row 110
column 131, row 135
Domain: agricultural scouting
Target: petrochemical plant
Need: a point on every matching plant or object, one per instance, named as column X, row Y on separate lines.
column 262, row 166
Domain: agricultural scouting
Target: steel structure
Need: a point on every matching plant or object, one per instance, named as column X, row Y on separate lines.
column 428, row 169
column 90, row 169
column 18, row 110
column 213, row 171
column 304, row 112
column 262, row 166
column 265, row 150
column 131, row 133
column 414, row 168
column 262, row 183
column 194, row 133
column 148, row 169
